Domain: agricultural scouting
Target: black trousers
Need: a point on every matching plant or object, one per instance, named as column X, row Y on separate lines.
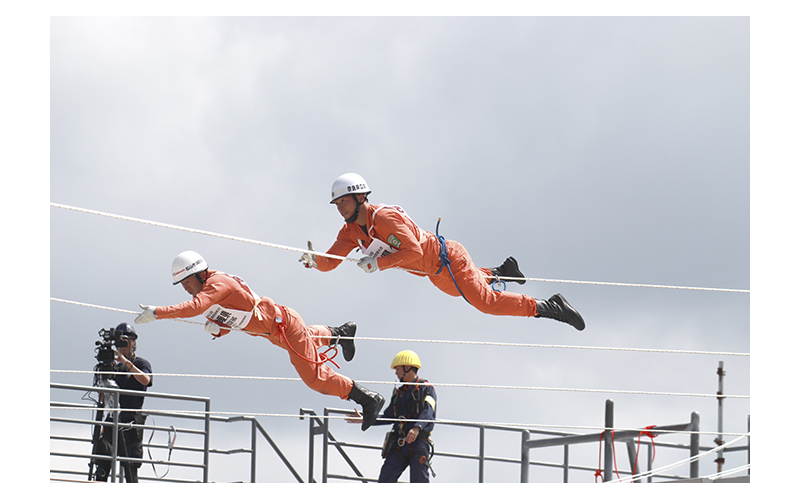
column 414, row 455
column 129, row 444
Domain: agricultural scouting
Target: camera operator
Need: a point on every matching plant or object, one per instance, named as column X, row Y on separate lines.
column 131, row 373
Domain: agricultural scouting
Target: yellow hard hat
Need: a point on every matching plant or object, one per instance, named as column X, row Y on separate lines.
column 406, row 358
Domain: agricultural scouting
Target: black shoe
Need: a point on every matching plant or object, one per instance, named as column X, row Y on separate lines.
column 343, row 336
column 557, row 308
column 371, row 404
column 509, row 269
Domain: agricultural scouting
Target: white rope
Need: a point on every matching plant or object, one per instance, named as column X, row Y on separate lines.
column 331, row 256
column 681, row 462
column 200, row 231
column 726, row 473
column 438, row 384
column 494, row 387
column 635, row 284
column 459, row 342
column 514, row 425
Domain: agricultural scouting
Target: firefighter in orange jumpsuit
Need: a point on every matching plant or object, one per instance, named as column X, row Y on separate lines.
column 228, row 303
column 388, row 238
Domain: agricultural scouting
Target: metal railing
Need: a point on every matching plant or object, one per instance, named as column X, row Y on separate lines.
column 607, row 439
column 115, row 425
column 205, row 450
column 322, row 426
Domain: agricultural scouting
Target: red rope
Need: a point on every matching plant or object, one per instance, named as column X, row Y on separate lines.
column 323, row 356
column 599, row 471
column 651, row 436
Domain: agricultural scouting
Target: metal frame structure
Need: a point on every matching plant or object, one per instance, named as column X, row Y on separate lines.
column 255, row 430
column 321, row 426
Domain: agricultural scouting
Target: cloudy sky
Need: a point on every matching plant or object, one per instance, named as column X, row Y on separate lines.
column 601, row 149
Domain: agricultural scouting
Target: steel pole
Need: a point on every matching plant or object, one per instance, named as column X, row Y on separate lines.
column 608, row 443
column 720, row 441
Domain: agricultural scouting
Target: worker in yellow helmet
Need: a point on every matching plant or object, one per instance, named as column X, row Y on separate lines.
column 408, row 444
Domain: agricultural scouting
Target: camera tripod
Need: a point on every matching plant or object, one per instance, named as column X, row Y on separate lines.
column 107, row 402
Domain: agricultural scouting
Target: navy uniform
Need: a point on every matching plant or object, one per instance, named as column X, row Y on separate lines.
column 416, row 404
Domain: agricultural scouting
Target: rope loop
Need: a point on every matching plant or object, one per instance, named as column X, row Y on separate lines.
column 652, row 436
column 323, row 356
column 599, row 470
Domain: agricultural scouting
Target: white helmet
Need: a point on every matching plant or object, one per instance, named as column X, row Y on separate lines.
column 348, row 184
column 186, row 264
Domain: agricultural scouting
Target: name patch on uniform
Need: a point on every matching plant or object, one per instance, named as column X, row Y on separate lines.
column 394, row 241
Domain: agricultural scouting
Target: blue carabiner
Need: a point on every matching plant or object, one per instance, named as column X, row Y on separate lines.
column 496, row 287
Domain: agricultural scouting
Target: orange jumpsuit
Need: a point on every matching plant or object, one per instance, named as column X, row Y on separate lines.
column 225, row 299
column 417, row 251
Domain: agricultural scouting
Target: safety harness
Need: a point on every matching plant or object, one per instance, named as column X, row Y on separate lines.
column 445, row 261
column 397, row 437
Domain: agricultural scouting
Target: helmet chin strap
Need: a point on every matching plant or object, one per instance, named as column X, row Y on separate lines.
column 406, row 369
column 353, row 217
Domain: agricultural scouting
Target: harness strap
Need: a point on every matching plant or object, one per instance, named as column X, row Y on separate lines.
column 445, row 261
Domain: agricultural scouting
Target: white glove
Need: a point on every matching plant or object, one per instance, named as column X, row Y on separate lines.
column 148, row 315
column 368, row 264
column 212, row 328
column 309, row 259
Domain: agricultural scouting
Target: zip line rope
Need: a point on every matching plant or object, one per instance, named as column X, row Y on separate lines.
column 436, row 421
column 493, row 387
column 461, row 342
column 352, row 259
column 438, row 384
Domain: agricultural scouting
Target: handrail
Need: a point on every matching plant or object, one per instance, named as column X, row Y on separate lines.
column 255, row 429
column 116, row 425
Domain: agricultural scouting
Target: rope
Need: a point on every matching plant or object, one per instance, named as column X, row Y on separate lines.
column 200, row 231
column 674, row 287
column 459, row 342
column 511, row 425
column 445, row 260
column 453, row 385
column 351, row 259
column 599, row 471
column 727, row 472
column 281, row 320
column 685, row 461
column 639, row 443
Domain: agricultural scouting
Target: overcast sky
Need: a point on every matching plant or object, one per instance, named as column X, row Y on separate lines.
column 603, row 149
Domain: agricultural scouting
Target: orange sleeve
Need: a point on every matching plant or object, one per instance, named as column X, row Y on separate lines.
column 213, row 292
column 343, row 245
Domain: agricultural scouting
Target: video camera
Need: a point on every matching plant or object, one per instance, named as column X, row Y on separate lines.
column 110, row 338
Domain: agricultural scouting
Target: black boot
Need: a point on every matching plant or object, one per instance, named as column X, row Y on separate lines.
column 557, row 308
column 509, row 269
column 343, row 336
column 371, row 404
